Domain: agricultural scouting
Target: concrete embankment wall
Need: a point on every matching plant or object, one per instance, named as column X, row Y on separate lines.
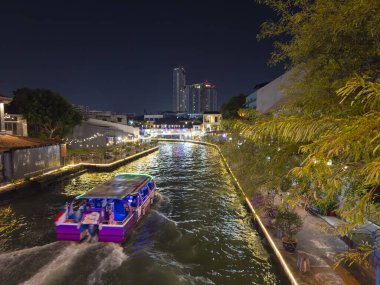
column 256, row 218
column 71, row 170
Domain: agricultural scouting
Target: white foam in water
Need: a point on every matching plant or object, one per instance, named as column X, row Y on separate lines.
column 162, row 215
column 12, row 263
column 9, row 256
column 114, row 259
column 58, row 265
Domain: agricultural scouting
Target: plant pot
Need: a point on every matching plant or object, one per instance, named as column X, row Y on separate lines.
column 289, row 244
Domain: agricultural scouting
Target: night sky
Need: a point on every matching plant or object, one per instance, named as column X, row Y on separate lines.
column 119, row 55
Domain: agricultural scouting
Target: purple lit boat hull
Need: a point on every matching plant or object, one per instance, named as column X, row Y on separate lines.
column 114, row 231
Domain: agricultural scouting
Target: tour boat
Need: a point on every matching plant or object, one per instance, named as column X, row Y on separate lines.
column 109, row 211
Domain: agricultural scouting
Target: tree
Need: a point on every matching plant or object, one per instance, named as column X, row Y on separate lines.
column 49, row 115
column 333, row 109
column 230, row 109
column 333, row 115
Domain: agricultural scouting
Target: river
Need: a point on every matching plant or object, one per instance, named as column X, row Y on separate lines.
column 198, row 232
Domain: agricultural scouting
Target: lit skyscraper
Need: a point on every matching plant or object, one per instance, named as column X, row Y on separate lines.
column 209, row 97
column 201, row 97
column 180, row 101
column 193, row 93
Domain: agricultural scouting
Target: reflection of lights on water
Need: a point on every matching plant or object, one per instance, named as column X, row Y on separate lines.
column 9, row 222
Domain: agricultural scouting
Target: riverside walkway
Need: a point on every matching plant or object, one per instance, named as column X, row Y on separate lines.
column 322, row 248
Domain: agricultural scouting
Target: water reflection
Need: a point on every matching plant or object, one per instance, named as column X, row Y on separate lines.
column 197, row 233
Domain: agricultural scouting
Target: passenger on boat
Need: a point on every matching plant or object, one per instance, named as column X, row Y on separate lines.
column 111, row 218
column 79, row 213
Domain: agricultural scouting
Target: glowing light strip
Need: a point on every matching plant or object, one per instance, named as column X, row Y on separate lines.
column 10, row 185
column 263, row 228
column 135, row 174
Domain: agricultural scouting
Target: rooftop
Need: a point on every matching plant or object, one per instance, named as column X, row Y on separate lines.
column 211, row 113
column 4, row 99
column 10, row 142
column 119, row 186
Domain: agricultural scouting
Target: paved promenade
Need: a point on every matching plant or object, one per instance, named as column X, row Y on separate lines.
column 322, row 248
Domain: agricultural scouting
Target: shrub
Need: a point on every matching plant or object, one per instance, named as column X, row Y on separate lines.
column 288, row 222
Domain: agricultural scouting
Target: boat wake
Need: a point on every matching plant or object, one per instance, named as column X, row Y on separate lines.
column 114, row 260
column 162, row 202
column 54, row 263
column 58, row 267
column 18, row 265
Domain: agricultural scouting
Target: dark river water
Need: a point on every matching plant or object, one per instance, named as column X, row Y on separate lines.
column 197, row 233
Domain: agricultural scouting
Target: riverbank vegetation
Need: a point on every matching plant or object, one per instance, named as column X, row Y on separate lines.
column 106, row 153
column 322, row 144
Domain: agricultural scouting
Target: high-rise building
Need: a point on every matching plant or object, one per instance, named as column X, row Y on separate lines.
column 209, row 97
column 180, row 101
column 193, row 93
column 202, row 97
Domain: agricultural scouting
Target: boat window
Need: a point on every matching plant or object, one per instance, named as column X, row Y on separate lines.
column 97, row 203
column 151, row 185
column 144, row 192
column 119, row 210
column 133, row 200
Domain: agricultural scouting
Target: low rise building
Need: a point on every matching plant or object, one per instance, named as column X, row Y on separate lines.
column 153, row 118
column 94, row 133
column 251, row 99
column 272, row 94
column 107, row 116
column 11, row 124
column 15, row 125
column 23, row 157
column 211, row 121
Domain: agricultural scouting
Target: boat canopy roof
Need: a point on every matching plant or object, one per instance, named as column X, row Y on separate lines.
column 118, row 187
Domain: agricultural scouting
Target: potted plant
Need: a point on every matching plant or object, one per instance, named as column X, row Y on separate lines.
column 290, row 223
